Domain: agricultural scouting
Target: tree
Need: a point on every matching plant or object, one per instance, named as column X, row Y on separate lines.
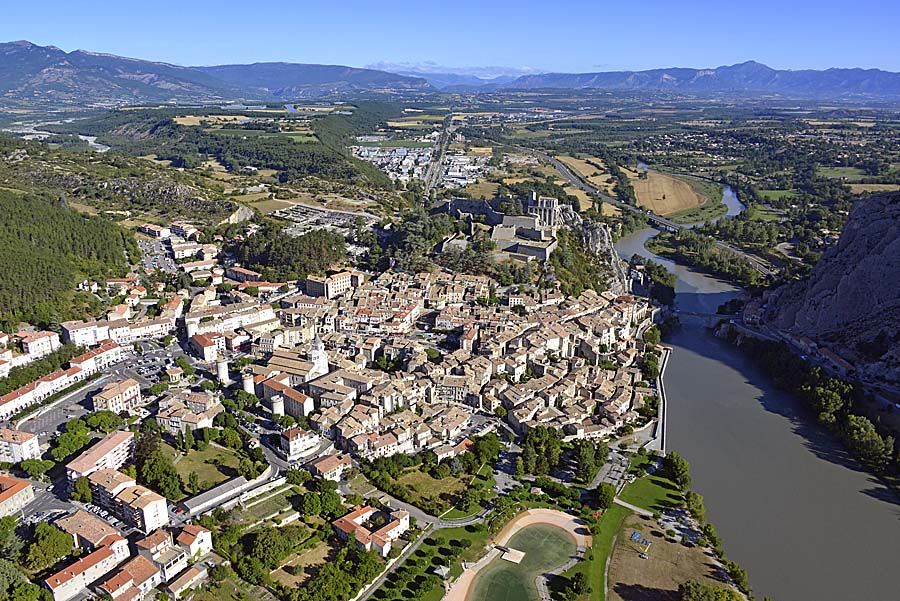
column 696, row 591
column 230, row 438
column 10, row 543
column 36, row 468
column 678, row 470
column 695, row 507
column 247, row 469
column 104, row 421
column 652, row 336
column 189, row 441
column 49, row 545
column 298, row 477
column 158, row 388
column 585, row 462
column 194, row 483
column 606, row 493
column 312, row 505
column 579, row 584
column 158, row 473
column 81, row 490
column 331, row 504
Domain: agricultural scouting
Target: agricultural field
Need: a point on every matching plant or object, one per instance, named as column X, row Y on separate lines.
column 775, row 194
column 664, row 194
column 848, row 173
column 862, row 188
column 194, row 120
column 585, row 202
column 592, row 170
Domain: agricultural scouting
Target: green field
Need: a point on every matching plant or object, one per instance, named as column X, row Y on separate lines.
column 652, row 492
column 594, row 564
column 775, row 194
column 545, row 548
column 846, row 172
column 213, row 465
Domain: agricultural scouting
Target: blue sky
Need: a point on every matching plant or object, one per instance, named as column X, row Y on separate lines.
column 547, row 36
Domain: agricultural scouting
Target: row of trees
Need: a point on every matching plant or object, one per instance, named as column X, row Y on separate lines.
column 836, row 403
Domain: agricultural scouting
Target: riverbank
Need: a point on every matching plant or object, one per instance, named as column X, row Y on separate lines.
column 804, row 519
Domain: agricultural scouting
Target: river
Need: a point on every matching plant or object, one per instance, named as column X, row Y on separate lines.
column 804, row 520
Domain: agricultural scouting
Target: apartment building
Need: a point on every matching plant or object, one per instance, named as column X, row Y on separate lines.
column 329, row 286
column 16, row 445
column 111, row 453
column 136, row 505
column 133, row 581
column 123, row 395
column 85, row 333
column 331, row 467
column 15, row 494
column 74, row 579
column 38, row 344
column 160, row 548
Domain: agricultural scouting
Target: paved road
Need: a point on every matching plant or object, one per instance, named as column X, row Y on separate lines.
column 576, row 181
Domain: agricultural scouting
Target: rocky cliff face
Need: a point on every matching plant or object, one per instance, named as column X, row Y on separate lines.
column 851, row 301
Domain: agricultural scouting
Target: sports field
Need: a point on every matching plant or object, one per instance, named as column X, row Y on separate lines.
column 545, row 548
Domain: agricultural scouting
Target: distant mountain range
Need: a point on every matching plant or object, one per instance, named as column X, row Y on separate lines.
column 47, row 76
column 749, row 77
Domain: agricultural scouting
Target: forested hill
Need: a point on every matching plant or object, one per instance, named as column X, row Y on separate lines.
column 141, row 132
column 45, row 250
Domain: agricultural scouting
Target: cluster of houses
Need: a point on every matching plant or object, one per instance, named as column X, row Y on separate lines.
column 165, row 559
column 25, row 347
column 544, row 358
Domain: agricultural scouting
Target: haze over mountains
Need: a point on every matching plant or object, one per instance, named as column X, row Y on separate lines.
column 31, row 74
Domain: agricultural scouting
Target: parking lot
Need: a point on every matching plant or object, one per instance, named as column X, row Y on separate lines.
column 155, row 255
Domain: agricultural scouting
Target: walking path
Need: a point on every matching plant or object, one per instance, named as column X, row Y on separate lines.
column 634, row 508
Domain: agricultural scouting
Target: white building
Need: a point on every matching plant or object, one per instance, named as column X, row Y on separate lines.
column 16, row 445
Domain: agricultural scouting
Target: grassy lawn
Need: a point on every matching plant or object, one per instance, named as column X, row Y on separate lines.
column 653, row 493
column 213, row 465
column 485, row 474
column 361, row 486
column 545, row 547
column 423, row 486
column 276, row 504
column 298, row 567
column 704, row 213
column 669, row 564
column 594, row 565
column 847, row 172
column 760, row 213
column 230, row 589
column 775, row 194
